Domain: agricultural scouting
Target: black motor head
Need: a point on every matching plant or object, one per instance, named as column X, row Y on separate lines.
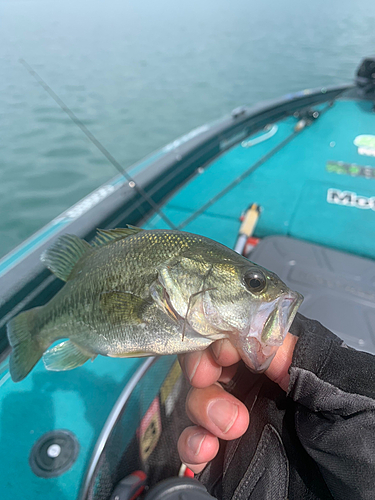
column 365, row 79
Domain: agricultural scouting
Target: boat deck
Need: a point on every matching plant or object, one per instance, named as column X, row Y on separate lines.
column 291, row 176
column 292, row 186
column 77, row 400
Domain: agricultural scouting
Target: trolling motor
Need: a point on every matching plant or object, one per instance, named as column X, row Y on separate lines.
column 365, row 79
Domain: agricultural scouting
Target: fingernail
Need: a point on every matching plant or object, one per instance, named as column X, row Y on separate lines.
column 191, row 364
column 223, row 414
column 216, row 348
column 195, row 442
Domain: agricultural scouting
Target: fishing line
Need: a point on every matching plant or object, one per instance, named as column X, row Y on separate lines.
column 245, row 174
column 98, row 144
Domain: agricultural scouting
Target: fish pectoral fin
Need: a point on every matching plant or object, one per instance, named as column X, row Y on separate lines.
column 65, row 356
column 123, row 306
column 63, row 255
column 105, row 236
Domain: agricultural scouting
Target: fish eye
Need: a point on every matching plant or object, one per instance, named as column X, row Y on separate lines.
column 255, row 281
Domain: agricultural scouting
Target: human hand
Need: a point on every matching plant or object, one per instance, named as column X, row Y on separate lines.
column 216, row 413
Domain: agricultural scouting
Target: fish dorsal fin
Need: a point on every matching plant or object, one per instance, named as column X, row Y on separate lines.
column 63, row 255
column 106, row 236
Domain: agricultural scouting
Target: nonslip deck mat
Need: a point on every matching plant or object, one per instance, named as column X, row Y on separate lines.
column 338, row 288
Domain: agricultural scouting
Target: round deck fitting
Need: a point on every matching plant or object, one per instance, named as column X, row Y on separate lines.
column 54, row 453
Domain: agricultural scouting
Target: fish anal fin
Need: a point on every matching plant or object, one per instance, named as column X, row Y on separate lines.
column 105, row 236
column 123, row 306
column 62, row 256
column 65, row 356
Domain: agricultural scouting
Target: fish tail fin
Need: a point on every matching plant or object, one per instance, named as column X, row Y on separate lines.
column 26, row 348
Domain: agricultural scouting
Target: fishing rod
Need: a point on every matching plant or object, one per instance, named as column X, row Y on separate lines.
column 98, row 144
column 301, row 125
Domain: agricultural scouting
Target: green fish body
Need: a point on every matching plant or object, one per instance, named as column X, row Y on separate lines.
column 136, row 292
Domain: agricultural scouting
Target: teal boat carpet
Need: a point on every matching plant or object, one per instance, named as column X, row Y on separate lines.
column 317, row 188
column 78, row 400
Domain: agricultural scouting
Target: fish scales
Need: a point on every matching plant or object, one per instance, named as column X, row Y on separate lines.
column 136, row 292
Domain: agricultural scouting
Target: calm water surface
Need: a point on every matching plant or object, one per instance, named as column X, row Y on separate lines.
column 139, row 74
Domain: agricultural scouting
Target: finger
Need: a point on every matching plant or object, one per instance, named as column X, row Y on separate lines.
column 217, row 411
column 196, row 447
column 224, row 353
column 200, row 368
column 227, row 373
column 278, row 370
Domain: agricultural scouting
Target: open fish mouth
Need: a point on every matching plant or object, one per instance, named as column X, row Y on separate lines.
column 278, row 322
column 268, row 331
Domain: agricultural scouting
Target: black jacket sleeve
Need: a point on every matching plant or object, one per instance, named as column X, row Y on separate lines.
column 333, row 387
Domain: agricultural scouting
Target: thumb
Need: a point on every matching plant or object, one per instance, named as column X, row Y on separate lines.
column 278, row 369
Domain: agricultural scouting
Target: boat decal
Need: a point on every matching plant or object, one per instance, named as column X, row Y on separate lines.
column 171, row 388
column 301, row 93
column 89, row 202
column 365, row 144
column 350, row 199
column 352, row 169
column 57, row 224
column 185, row 138
column 149, row 430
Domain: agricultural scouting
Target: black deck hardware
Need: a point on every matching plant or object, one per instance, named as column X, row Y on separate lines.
column 54, row 453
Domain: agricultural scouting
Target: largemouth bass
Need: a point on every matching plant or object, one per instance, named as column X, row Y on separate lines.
column 134, row 292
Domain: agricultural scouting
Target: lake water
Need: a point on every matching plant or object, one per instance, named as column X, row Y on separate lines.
column 139, row 74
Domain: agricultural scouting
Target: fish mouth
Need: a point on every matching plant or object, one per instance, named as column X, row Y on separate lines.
column 262, row 342
column 279, row 321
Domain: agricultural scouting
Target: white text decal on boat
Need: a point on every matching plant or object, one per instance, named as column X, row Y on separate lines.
column 365, row 144
column 181, row 140
column 89, row 202
column 350, row 199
